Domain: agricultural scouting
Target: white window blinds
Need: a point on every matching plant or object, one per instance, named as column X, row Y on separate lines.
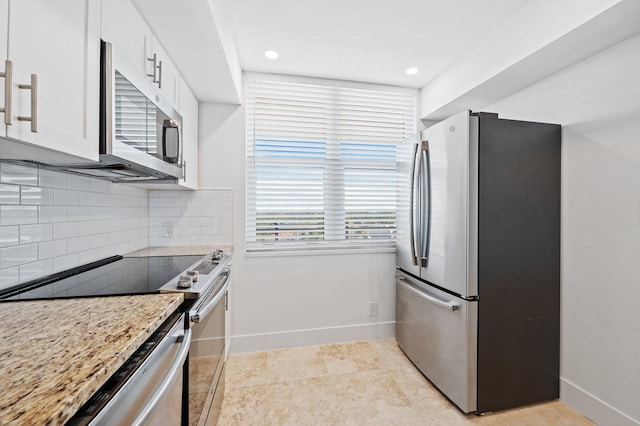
column 321, row 164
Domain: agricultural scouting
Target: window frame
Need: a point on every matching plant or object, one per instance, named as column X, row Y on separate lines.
column 325, row 246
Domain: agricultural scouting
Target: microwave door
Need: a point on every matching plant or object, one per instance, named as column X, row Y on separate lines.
column 134, row 117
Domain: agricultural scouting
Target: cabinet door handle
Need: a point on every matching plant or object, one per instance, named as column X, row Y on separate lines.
column 184, row 171
column 159, row 74
column 34, row 102
column 8, row 76
column 155, row 61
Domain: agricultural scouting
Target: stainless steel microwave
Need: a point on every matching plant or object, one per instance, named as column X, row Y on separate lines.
column 140, row 133
column 140, row 137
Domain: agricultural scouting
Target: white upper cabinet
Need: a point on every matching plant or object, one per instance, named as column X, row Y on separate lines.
column 134, row 45
column 168, row 77
column 123, row 27
column 54, row 50
column 189, row 111
column 4, row 79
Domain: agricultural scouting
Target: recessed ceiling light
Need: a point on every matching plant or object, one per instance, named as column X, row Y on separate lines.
column 412, row 71
column 271, row 54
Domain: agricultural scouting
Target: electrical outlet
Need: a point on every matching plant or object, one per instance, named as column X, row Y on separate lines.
column 373, row 309
column 167, row 229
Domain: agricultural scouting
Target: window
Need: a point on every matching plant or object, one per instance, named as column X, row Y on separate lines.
column 321, row 164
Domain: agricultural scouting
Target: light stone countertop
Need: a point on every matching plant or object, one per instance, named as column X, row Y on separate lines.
column 55, row 354
column 179, row 251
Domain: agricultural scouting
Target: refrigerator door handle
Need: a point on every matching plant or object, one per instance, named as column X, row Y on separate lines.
column 414, row 232
column 447, row 304
column 425, row 203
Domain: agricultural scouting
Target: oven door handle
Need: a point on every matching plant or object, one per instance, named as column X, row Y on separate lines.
column 174, row 370
column 200, row 313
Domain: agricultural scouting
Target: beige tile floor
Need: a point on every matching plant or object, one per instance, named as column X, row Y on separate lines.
column 356, row 383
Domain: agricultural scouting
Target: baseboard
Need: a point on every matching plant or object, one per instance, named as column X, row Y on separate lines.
column 592, row 407
column 312, row 337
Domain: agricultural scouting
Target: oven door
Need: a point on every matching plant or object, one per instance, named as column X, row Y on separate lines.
column 147, row 389
column 206, row 356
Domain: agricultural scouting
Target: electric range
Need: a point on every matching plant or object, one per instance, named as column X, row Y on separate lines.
column 118, row 275
column 192, row 341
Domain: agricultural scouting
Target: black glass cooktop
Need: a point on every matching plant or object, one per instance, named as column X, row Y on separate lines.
column 113, row 276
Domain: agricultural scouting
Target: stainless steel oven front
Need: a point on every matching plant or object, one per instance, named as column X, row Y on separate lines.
column 171, row 379
column 148, row 389
column 207, row 353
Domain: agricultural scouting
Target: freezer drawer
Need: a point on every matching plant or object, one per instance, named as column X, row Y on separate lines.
column 438, row 332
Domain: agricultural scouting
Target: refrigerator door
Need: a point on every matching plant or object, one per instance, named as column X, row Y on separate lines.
column 438, row 332
column 407, row 205
column 451, row 253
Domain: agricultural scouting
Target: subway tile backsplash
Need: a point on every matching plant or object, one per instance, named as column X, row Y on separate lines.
column 51, row 221
column 196, row 218
column 18, row 175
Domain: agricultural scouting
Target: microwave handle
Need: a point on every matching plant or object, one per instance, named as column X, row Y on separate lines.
column 175, row 124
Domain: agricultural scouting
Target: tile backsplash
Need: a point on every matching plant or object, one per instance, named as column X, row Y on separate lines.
column 196, row 218
column 51, row 221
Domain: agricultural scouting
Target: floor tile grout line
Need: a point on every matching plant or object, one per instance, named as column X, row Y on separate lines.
column 387, row 354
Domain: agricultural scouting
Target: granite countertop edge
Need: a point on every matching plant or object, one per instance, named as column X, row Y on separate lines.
column 55, row 393
column 108, row 369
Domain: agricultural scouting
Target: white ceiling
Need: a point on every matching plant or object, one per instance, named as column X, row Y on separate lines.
column 471, row 53
column 371, row 41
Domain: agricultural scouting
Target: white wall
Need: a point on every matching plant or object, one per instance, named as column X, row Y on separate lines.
column 285, row 301
column 597, row 101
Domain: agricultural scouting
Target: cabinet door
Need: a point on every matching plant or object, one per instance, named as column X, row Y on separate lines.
column 54, row 46
column 4, row 22
column 189, row 111
column 123, row 27
column 168, row 76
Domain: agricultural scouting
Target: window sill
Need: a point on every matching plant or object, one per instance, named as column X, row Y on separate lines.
column 282, row 252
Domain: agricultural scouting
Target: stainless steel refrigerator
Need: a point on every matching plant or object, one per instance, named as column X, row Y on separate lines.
column 478, row 259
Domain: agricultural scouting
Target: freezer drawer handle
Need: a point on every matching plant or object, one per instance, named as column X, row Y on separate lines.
column 447, row 304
